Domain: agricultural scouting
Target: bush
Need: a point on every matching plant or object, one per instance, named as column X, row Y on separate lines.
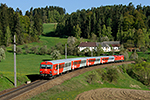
column 27, row 51
column 110, row 74
column 2, row 46
column 35, row 50
column 43, row 50
column 18, row 50
column 55, row 54
column 91, row 77
column 25, row 47
column 2, row 54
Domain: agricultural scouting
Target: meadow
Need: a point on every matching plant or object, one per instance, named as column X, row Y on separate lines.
column 27, row 64
column 71, row 88
column 28, row 68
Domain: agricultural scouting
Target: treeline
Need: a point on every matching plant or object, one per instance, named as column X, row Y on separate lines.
column 119, row 22
column 49, row 14
column 28, row 27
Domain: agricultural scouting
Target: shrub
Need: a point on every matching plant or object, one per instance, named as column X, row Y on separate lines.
column 18, row 50
column 2, row 54
column 27, row 51
column 55, row 54
column 35, row 50
column 25, row 47
column 112, row 74
column 43, row 50
column 2, row 46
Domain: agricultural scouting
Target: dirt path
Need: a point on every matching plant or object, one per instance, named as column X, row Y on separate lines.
column 114, row 94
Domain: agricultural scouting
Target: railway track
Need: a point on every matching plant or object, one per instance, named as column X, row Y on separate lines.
column 36, row 87
column 15, row 92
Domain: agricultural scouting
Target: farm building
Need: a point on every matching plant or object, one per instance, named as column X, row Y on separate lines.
column 107, row 46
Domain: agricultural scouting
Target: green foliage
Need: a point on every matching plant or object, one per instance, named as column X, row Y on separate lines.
column 43, row 50
column 18, row 50
column 2, row 54
column 110, row 75
column 99, row 50
column 55, row 54
column 134, row 55
column 125, row 53
column 142, row 72
column 35, row 49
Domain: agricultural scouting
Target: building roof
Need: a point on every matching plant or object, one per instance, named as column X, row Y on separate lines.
column 108, row 43
column 88, row 44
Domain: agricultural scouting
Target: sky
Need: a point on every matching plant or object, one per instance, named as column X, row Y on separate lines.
column 69, row 5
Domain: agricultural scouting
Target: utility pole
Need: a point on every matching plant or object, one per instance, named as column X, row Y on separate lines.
column 65, row 51
column 15, row 82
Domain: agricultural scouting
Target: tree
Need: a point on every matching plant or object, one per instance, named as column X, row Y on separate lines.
column 99, row 50
column 134, row 55
column 125, row 53
column 2, row 54
column 77, row 31
column 8, row 36
column 94, row 37
column 55, row 54
column 140, row 38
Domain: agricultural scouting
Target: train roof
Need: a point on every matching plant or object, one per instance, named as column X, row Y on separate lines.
column 72, row 59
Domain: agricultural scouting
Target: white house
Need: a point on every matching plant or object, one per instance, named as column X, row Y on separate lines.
column 89, row 45
column 107, row 46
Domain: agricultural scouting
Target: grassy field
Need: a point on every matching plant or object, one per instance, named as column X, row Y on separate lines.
column 27, row 65
column 71, row 88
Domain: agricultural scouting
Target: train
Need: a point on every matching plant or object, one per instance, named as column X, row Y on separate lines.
column 53, row 68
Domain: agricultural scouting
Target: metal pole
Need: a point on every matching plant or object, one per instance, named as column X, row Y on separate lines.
column 65, row 51
column 15, row 83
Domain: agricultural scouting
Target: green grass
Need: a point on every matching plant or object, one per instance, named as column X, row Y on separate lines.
column 48, row 27
column 71, row 88
column 29, row 65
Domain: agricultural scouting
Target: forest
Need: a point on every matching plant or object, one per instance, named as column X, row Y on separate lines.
column 128, row 24
column 28, row 27
column 125, row 23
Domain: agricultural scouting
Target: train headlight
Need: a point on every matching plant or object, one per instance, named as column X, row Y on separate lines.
column 50, row 71
column 40, row 71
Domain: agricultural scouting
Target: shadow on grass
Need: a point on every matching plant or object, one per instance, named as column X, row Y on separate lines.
column 33, row 77
column 9, row 80
column 53, row 34
column 46, row 60
column 49, row 34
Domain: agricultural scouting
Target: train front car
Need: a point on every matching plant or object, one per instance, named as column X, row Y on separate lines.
column 119, row 58
column 46, row 69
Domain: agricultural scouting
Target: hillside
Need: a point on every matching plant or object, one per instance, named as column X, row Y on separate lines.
column 30, row 71
column 27, row 64
column 73, row 87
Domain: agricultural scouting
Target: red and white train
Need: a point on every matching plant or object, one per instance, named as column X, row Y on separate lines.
column 56, row 67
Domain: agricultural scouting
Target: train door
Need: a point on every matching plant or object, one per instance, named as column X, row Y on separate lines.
column 55, row 69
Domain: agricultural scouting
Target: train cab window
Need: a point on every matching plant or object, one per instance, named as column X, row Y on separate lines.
column 49, row 66
column 43, row 66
